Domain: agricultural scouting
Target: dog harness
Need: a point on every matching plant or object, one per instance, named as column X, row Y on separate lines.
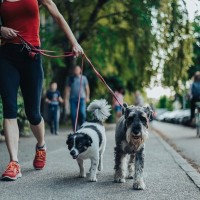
column 23, row 16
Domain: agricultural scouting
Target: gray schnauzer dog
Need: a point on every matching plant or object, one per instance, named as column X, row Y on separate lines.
column 130, row 136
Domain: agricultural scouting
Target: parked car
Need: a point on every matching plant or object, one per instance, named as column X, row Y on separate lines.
column 176, row 117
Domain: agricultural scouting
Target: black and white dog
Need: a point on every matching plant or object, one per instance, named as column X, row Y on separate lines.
column 89, row 141
column 130, row 136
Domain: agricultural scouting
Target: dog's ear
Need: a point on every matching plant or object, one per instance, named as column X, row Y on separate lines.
column 88, row 140
column 68, row 138
column 149, row 112
column 125, row 110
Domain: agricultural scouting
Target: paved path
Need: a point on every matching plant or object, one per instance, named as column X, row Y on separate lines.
column 182, row 138
column 164, row 177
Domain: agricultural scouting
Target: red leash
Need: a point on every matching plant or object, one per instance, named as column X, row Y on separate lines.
column 33, row 51
column 102, row 79
column 79, row 96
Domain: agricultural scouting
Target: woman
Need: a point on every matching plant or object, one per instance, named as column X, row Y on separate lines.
column 116, row 106
column 18, row 69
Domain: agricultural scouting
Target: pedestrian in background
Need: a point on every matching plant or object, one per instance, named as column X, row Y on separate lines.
column 115, row 104
column 53, row 98
column 194, row 95
column 139, row 100
column 18, row 68
column 72, row 95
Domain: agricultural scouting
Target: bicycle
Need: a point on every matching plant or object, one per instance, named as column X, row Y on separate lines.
column 197, row 118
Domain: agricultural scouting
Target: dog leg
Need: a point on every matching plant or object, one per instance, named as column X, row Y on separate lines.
column 100, row 167
column 81, row 167
column 131, row 166
column 120, row 166
column 138, row 183
column 93, row 169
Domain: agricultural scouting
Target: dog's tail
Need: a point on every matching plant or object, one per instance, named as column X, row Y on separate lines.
column 100, row 109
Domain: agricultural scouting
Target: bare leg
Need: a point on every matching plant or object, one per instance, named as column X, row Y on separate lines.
column 39, row 131
column 11, row 132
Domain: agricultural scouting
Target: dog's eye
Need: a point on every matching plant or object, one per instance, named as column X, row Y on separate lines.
column 130, row 120
column 79, row 144
column 143, row 120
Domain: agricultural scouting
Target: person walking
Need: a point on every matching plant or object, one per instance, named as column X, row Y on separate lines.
column 115, row 104
column 19, row 69
column 53, row 98
column 194, row 96
column 72, row 95
column 139, row 100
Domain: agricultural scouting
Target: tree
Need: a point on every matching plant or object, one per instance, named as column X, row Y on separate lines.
column 131, row 39
column 116, row 35
column 174, row 43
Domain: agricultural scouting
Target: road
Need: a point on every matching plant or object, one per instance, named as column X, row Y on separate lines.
column 167, row 175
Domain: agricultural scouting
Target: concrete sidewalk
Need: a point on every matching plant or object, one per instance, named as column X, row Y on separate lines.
column 165, row 177
column 182, row 138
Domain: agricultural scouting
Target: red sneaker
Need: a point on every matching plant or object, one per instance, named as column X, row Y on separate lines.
column 12, row 172
column 40, row 159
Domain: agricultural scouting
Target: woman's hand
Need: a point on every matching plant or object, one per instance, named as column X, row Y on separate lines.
column 8, row 33
column 77, row 49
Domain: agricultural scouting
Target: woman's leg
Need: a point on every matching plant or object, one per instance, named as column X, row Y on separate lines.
column 9, row 84
column 31, row 86
column 11, row 132
column 39, row 132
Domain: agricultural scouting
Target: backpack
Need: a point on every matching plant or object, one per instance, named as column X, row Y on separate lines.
column 196, row 90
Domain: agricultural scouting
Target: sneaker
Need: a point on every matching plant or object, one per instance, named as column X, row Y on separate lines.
column 12, row 172
column 39, row 161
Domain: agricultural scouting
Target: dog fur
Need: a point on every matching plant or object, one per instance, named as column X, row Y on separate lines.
column 130, row 136
column 89, row 141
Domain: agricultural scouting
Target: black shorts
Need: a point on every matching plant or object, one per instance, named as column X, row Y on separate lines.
column 18, row 69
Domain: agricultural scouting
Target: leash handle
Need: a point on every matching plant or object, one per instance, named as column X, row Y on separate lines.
column 31, row 48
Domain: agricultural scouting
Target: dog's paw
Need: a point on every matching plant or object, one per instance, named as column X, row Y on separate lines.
column 139, row 185
column 82, row 175
column 93, row 179
column 130, row 176
column 119, row 180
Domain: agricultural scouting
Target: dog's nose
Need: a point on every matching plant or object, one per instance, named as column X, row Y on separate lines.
column 72, row 152
column 136, row 132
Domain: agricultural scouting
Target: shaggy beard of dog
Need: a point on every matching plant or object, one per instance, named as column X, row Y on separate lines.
column 130, row 143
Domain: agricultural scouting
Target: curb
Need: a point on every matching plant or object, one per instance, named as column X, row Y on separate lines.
column 182, row 163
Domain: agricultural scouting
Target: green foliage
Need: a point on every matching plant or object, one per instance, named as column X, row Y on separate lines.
column 196, row 46
column 134, row 40
column 174, row 43
column 165, row 102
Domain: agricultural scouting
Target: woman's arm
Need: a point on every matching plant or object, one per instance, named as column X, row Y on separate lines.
column 53, row 10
